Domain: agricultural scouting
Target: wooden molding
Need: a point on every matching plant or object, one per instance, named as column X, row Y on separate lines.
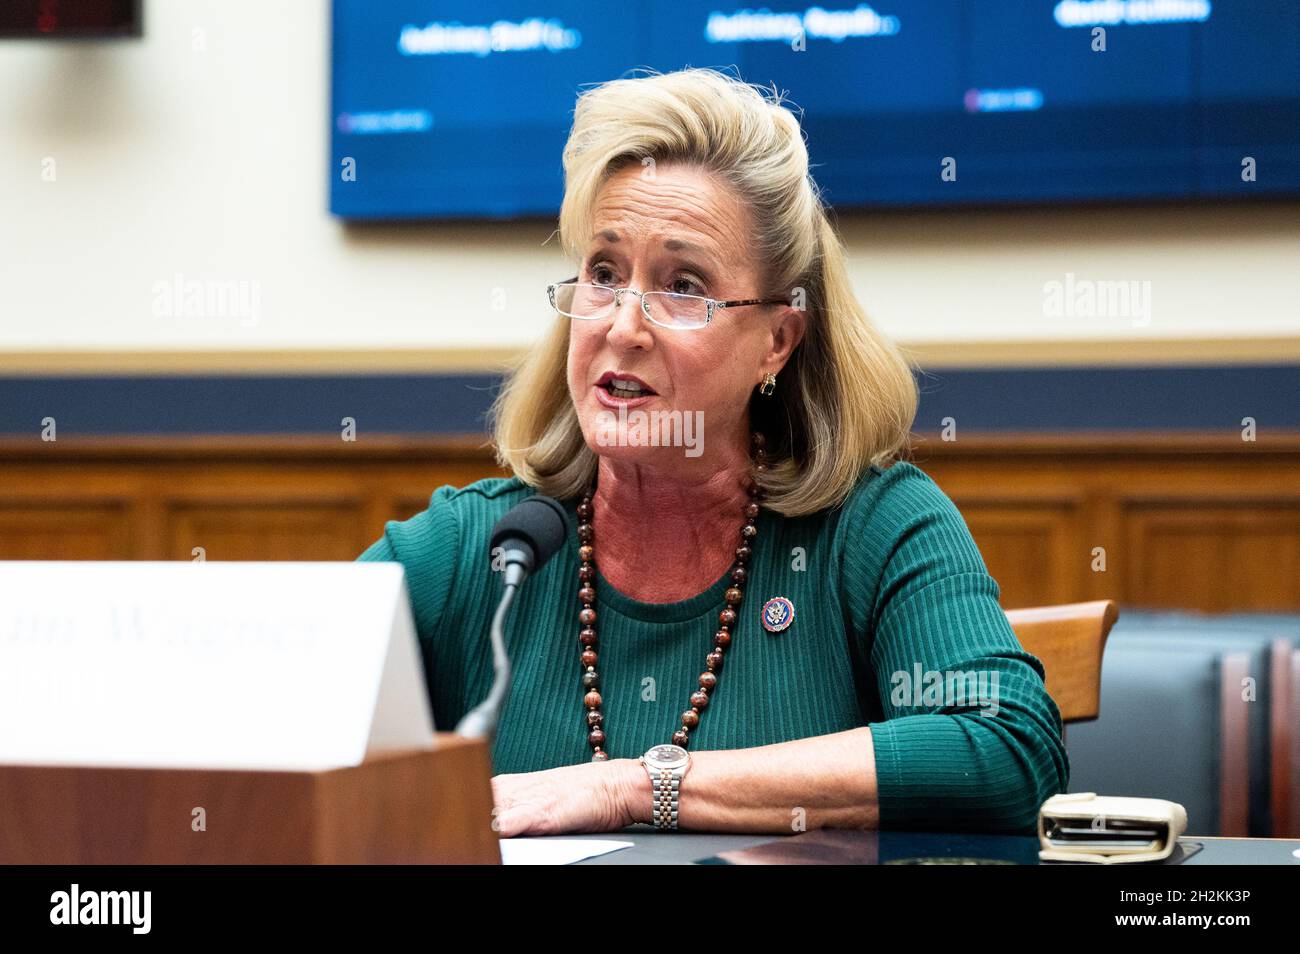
column 467, row 447
column 1000, row 353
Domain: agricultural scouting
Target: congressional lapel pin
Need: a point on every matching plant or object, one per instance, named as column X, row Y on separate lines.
column 778, row 614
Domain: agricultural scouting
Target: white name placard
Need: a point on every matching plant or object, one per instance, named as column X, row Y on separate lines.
column 207, row 664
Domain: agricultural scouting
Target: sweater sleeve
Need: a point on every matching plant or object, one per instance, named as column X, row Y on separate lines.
column 971, row 740
column 428, row 547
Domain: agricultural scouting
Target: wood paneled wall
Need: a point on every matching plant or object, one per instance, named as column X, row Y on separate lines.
column 1196, row 522
column 1203, row 523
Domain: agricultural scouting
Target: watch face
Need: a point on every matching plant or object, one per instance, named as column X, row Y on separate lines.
column 666, row 757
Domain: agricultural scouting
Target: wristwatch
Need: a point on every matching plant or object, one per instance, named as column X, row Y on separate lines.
column 667, row 765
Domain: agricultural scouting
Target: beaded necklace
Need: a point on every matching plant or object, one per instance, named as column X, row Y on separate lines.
column 721, row 639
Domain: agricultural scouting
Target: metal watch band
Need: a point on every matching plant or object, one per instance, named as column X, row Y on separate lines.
column 667, row 784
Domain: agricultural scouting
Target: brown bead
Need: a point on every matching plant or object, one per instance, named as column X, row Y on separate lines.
column 759, row 439
column 727, row 619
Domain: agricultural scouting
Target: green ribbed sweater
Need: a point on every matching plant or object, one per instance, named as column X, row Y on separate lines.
column 889, row 582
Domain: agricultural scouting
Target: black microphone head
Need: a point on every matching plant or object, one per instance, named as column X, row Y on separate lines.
column 538, row 523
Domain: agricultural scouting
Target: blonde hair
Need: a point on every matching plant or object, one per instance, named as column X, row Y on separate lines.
column 846, row 398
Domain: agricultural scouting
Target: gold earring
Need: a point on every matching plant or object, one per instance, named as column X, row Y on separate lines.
column 768, row 387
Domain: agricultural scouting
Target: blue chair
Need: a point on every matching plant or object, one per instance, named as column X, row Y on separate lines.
column 1255, row 767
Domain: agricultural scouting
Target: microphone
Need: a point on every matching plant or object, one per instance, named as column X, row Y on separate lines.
column 528, row 535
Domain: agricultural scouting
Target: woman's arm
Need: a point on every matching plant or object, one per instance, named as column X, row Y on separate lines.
column 970, row 739
column 825, row 781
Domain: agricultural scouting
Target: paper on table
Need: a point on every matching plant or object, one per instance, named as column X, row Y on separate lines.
column 551, row 850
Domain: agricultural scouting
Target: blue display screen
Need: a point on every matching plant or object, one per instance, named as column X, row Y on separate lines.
column 461, row 109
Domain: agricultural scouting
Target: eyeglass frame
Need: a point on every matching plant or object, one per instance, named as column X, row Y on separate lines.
column 710, row 303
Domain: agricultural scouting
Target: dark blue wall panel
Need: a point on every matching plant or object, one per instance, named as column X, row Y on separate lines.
column 1028, row 399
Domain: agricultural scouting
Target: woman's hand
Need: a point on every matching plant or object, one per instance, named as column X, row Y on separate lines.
column 590, row 797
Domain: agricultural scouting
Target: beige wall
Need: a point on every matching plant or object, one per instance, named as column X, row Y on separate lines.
column 201, row 151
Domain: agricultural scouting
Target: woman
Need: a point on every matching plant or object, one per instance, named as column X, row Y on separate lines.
column 754, row 625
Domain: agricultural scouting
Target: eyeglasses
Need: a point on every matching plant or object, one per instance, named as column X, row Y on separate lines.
column 587, row 302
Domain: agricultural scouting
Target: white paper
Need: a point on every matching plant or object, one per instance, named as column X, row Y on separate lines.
column 552, row 850
column 207, row 664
